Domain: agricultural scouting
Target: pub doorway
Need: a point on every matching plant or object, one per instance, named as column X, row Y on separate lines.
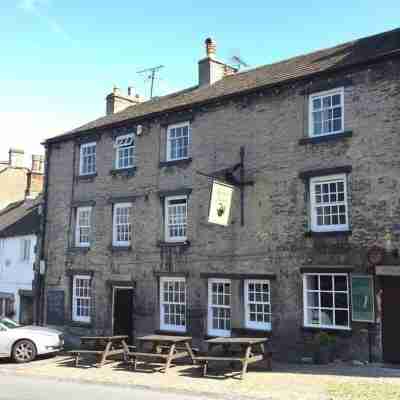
column 123, row 311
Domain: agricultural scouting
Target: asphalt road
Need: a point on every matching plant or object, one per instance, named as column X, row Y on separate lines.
column 26, row 388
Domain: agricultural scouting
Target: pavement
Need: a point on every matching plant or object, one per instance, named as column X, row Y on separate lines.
column 336, row 381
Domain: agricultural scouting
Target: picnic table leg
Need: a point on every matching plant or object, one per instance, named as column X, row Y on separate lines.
column 190, row 351
column 205, row 368
column 169, row 358
column 245, row 362
column 76, row 359
column 105, row 354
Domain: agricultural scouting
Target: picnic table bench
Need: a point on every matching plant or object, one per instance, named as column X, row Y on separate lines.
column 164, row 347
column 103, row 347
column 248, row 352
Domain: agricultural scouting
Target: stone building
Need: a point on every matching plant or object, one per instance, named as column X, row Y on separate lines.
column 17, row 181
column 309, row 245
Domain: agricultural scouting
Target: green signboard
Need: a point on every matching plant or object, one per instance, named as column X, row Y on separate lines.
column 362, row 296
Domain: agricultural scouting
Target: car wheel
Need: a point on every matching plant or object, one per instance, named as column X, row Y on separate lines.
column 24, row 351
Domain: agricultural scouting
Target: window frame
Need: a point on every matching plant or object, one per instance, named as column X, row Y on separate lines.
column 321, row 94
column 78, row 242
column 81, row 158
column 26, row 245
column 210, row 330
column 121, row 243
column 168, row 147
column 168, row 238
column 313, row 205
column 75, row 317
column 333, row 308
column 119, row 147
column 163, row 325
column 263, row 326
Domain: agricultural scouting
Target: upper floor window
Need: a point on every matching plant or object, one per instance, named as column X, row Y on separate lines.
column 83, row 226
column 257, row 304
column 178, row 138
column 122, row 227
column 326, row 112
column 81, row 298
column 329, row 208
column 125, row 151
column 173, row 304
column 87, row 164
column 175, row 218
column 25, row 250
column 326, row 300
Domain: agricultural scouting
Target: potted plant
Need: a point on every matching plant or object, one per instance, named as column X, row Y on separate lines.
column 323, row 350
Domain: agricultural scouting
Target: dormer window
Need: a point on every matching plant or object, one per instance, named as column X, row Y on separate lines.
column 178, row 138
column 125, row 151
column 326, row 113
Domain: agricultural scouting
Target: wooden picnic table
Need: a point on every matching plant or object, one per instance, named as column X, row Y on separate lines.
column 164, row 347
column 102, row 347
column 248, row 352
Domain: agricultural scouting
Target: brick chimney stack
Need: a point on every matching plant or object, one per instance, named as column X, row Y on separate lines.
column 16, row 158
column 116, row 101
column 37, row 164
column 210, row 69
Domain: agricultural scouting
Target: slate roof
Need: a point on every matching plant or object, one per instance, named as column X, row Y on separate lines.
column 344, row 55
column 20, row 218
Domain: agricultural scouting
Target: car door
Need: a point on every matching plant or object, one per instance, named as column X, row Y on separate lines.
column 4, row 341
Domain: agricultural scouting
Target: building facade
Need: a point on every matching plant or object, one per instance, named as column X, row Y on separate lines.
column 19, row 229
column 311, row 238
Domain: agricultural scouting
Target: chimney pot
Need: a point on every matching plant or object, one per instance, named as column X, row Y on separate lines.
column 211, row 47
column 116, row 101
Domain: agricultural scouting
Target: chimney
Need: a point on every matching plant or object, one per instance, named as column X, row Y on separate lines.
column 116, row 101
column 210, row 69
column 16, row 158
column 35, row 177
column 37, row 164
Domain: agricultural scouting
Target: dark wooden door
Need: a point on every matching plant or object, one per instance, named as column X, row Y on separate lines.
column 123, row 312
column 391, row 319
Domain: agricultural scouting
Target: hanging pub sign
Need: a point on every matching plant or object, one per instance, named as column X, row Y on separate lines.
column 362, row 296
column 220, row 203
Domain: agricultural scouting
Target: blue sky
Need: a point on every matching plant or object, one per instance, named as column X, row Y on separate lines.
column 59, row 58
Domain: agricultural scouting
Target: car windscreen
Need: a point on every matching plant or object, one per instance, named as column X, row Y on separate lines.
column 9, row 323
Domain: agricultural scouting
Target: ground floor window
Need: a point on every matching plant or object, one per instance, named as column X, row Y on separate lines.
column 326, row 300
column 173, row 304
column 257, row 304
column 6, row 307
column 81, row 298
column 219, row 307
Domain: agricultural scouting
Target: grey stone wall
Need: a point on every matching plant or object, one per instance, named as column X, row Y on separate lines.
column 272, row 241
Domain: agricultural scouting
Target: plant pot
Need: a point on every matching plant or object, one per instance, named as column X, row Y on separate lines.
column 323, row 355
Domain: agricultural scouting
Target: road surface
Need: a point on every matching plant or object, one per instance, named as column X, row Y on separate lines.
column 27, row 388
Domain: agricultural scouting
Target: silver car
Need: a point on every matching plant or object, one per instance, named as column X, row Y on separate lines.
column 24, row 343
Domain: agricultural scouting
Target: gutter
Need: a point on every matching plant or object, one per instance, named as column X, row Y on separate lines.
column 67, row 136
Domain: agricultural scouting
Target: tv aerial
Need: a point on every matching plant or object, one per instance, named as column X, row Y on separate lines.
column 151, row 75
column 238, row 62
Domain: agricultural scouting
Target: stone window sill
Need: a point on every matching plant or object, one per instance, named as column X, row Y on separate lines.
column 328, row 234
column 186, row 243
column 339, row 331
column 326, row 138
column 116, row 249
column 79, row 249
column 86, row 178
column 78, row 324
column 184, row 161
column 123, row 172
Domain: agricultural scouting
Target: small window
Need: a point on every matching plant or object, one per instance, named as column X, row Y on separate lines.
column 178, row 138
column 329, row 208
column 88, row 159
column 83, row 226
column 125, row 151
column 173, row 304
column 81, row 298
column 122, row 227
column 326, row 300
column 25, row 250
column 175, row 218
column 326, row 113
column 257, row 304
column 219, row 307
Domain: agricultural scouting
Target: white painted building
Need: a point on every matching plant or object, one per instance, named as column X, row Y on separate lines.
column 19, row 225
